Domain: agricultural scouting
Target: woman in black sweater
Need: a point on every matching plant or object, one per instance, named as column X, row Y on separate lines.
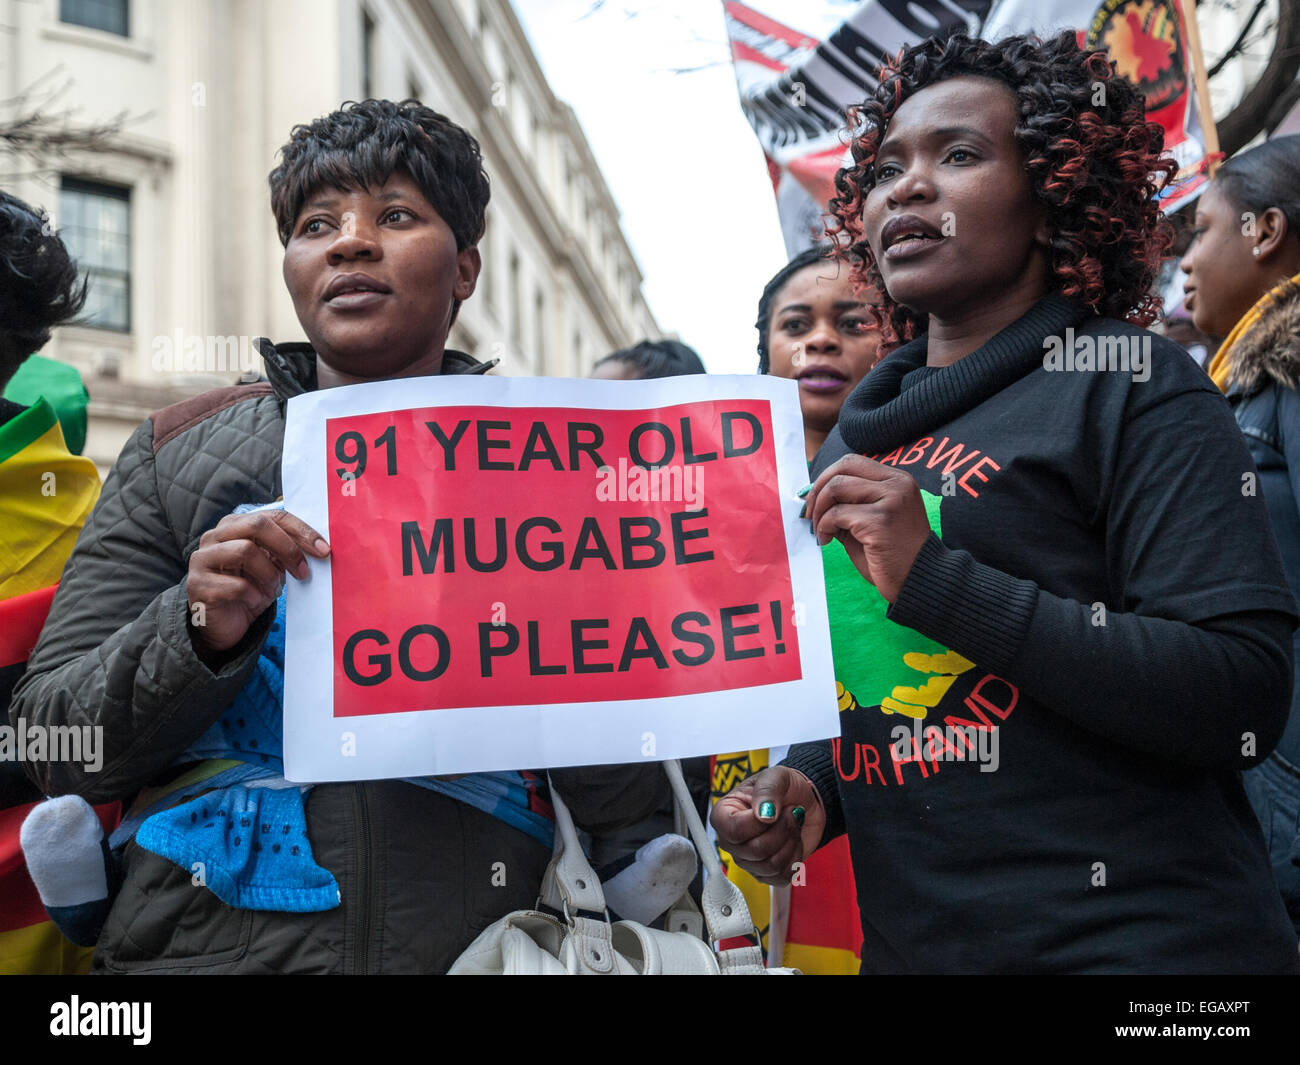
column 1061, row 628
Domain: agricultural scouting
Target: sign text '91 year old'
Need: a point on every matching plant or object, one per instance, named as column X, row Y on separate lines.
column 529, row 573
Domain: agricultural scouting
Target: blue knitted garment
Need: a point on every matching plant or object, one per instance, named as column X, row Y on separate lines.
column 248, row 844
column 246, row 841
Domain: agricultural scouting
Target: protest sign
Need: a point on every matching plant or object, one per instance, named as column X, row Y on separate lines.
column 528, row 573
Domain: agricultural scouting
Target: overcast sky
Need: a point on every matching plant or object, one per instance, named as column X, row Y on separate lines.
column 677, row 153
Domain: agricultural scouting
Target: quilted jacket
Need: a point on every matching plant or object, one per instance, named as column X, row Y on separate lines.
column 419, row 874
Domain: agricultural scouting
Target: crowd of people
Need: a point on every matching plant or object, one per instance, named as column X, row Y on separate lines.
column 1090, row 559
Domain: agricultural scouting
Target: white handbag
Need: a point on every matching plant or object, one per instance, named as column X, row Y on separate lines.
column 583, row 941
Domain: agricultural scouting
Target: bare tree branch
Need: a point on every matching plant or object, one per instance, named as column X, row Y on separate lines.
column 34, row 128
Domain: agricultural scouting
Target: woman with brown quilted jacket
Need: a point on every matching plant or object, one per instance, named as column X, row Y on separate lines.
column 166, row 628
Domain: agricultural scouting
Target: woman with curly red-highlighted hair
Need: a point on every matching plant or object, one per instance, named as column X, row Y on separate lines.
column 1097, row 174
column 1060, row 622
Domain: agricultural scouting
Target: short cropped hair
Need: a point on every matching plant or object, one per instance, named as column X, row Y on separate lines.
column 362, row 145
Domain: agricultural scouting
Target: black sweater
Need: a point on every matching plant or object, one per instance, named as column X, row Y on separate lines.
column 1118, row 590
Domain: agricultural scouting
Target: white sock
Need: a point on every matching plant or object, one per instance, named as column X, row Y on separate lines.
column 662, row 871
column 61, row 841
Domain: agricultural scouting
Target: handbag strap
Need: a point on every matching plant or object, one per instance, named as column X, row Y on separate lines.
column 569, row 886
column 569, row 881
column 725, row 910
column 684, row 915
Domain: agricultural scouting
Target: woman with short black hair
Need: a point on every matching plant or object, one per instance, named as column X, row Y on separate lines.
column 167, row 633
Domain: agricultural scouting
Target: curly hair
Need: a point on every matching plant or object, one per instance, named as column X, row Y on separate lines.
column 39, row 288
column 1092, row 158
column 362, row 144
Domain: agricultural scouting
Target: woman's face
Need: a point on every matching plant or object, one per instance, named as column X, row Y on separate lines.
column 952, row 220
column 373, row 274
column 1222, row 274
column 821, row 335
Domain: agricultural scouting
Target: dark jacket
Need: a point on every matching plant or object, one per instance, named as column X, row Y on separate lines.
column 1263, row 393
column 417, row 871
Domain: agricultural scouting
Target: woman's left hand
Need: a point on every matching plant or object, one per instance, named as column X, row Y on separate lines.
column 877, row 513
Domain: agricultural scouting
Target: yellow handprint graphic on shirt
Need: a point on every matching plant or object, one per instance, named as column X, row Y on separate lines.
column 916, row 702
column 868, row 646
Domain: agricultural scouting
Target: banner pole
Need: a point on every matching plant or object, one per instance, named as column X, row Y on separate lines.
column 1197, row 63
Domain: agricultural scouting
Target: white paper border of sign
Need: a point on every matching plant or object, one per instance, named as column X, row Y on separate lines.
column 428, row 743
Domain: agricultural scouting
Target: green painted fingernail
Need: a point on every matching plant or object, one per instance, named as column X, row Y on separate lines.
column 798, row 814
column 803, row 492
column 766, row 809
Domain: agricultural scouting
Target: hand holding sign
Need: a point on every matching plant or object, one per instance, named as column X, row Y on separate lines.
column 237, row 571
column 877, row 513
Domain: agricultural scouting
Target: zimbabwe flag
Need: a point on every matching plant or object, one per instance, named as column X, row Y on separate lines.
column 46, row 494
column 29, row 941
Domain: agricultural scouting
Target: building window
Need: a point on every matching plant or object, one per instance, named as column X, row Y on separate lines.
column 367, row 55
column 111, row 16
column 95, row 223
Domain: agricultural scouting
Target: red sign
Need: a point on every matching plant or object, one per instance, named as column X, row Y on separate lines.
column 497, row 556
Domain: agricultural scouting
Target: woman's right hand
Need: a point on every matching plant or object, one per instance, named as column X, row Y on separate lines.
column 767, row 842
column 237, row 572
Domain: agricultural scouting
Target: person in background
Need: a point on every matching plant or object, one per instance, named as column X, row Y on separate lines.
column 813, row 328
column 46, row 494
column 1200, row 346
column 1243, row 283
column 647, row 360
